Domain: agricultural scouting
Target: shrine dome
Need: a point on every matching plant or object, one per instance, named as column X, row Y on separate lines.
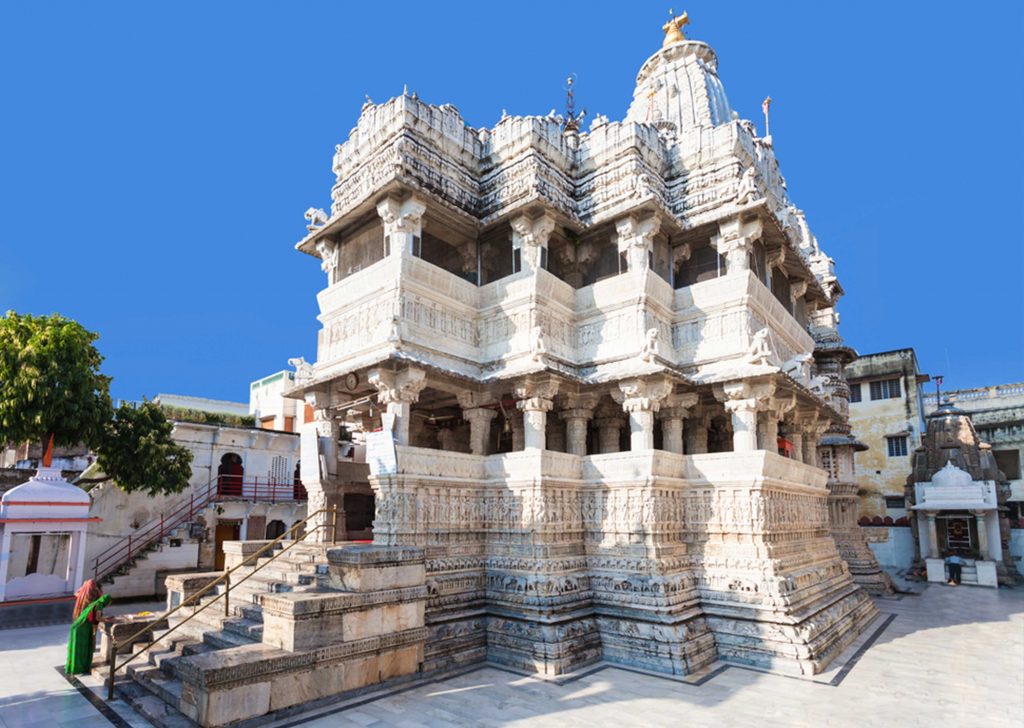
column 951, row 476
column 679, row 84
column 45, row 494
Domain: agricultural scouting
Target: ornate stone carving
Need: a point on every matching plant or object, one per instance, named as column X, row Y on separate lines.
column 317, row 218
column 760, row 353
column 303, row 370
column 636, row 239
column 529, row 236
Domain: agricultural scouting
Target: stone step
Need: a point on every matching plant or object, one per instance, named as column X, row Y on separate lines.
column 151, row 706
column 167, row 688
column 167, row 660
column 222, row 639
column 244, row 627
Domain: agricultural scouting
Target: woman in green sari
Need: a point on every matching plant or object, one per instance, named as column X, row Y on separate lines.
column 89, row 600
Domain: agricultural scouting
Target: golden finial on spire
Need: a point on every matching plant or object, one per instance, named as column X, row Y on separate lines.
column 674, row 28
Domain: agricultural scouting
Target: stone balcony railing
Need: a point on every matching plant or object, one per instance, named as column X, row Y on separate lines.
column 405, row 302
column 622, row 467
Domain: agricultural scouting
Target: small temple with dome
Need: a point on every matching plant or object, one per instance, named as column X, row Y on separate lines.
column 958, row 495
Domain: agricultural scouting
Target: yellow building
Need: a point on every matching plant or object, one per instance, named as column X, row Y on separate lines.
column 886, row 414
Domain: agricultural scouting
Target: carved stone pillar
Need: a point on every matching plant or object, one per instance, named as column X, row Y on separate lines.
column 609, row 423
column 534, row 399
column 398, row 391
column 979, row 518
column 640, row 399
column 674, row 410
column 516, row 423
column 479, row 419
column 933, row 535
column 318, row 468
column 530, row 237
column 577, row 413
column 742, row 401
column 696, row 433
column 797, row 290
column 734, row 240
column 814, row 428
column 403, row 223
column 636, row 239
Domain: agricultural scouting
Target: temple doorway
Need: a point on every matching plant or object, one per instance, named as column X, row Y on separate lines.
column 957, row 533
column 275, row 529
column 229, row 475
column 225, row 531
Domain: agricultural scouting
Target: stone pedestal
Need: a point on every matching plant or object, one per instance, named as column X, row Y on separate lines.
column 986, row 573
column 936, row 569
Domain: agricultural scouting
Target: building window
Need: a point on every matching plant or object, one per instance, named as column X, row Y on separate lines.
column 855, row 392
column 895, row 502
column 897, row 446
column 885, row 389
column 1009, row 462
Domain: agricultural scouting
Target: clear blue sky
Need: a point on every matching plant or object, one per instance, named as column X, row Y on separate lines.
column 155, row 160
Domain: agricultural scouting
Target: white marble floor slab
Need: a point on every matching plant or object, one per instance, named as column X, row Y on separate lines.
column 952, row 656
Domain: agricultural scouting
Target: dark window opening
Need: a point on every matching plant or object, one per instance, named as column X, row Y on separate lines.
column 896, row 446
column 496, row 258
column 855, row 392
column 704, row 264
column 885, row 389
column 1008, row 461
column 35, row 544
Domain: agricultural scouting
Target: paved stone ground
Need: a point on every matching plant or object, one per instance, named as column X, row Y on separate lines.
column 951, row 656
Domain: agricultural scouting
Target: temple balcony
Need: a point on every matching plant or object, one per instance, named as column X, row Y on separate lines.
column 742, row 469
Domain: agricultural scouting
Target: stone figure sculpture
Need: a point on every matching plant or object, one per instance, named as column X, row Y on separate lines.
column 303, row 369
column 748, row 186
column 650, row 348
column 317, row 218
column 537, row 347
column 760, row 350
column 799, row 366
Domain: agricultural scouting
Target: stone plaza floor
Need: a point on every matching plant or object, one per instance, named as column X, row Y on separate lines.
column 949, row 656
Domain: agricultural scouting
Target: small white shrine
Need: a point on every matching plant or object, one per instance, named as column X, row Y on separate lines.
column 969, row 511
column 42, row 538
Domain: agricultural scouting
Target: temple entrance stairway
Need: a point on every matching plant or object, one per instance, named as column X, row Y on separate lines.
column 206, row 661
column 152, row 684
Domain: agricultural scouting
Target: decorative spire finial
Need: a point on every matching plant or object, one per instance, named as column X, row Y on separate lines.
column 572, row 119
column 674, row 28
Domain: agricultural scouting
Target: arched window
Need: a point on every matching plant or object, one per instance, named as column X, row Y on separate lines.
column 229, row 475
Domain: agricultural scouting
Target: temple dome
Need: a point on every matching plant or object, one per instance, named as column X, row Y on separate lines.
column 951, row 475
column 680, row 84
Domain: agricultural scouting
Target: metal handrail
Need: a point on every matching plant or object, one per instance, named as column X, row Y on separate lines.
column 167, row 521
column 248, row 488
column 223, row 578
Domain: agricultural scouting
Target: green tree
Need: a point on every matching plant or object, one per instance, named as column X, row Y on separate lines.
column 138, row 452
column 50, row 382
column 51, row 386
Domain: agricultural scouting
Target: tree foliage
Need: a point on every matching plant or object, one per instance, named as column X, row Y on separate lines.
column 50, row 381
column 51, row 384
column 138, row 452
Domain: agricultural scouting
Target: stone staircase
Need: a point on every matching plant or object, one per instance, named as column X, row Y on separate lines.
column 152, row 683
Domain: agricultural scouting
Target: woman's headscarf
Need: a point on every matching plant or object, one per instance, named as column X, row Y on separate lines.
column 88, row 593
